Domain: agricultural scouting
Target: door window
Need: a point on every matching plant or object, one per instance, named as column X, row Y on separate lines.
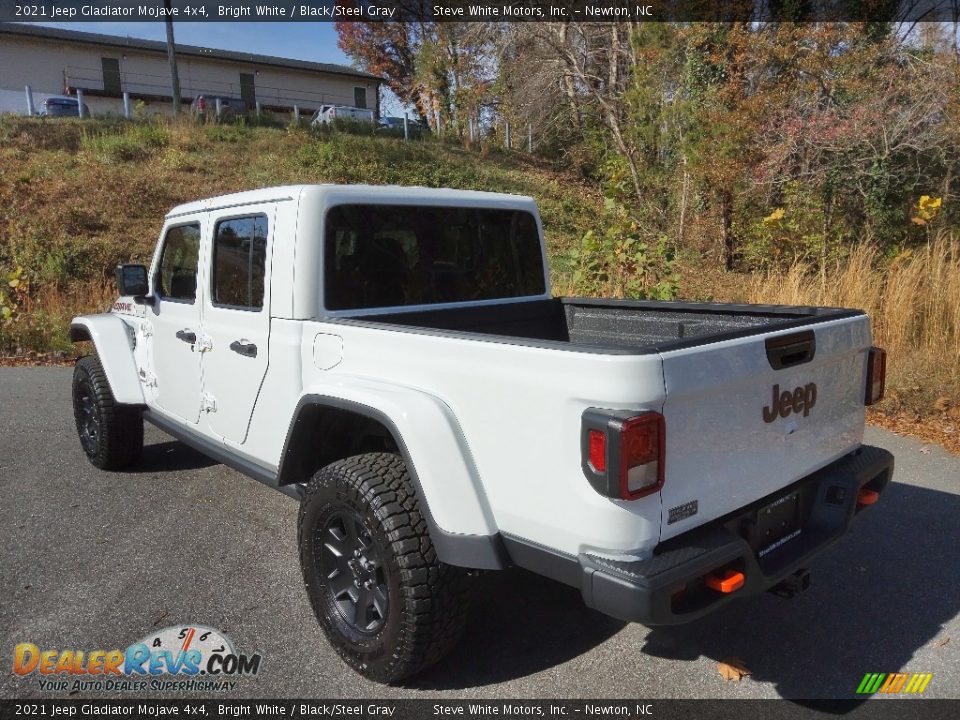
column 239, row 262
column 177, row 274
column 360, row 97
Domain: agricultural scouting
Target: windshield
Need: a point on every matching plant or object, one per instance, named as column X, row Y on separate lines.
column 398, row 255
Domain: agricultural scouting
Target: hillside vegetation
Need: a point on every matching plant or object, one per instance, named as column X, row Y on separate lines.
column 914, row 304
column 77, row 198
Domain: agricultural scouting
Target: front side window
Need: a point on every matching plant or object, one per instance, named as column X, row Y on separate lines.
column 395, row 255
column 177, row 275
column 239, row 262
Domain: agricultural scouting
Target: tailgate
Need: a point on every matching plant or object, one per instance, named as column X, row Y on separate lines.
column 738, row 428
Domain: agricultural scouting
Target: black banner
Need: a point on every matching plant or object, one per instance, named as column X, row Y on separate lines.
column 480, row 10
column 879, row 709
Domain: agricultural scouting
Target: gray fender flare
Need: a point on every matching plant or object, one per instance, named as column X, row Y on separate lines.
column 481, row 546
column 110, row 336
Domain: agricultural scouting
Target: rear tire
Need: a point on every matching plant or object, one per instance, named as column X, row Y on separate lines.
column 111, row 434
column 385, row 602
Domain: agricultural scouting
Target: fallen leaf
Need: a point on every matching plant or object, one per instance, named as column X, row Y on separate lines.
column 943, row 642
column 732, row 668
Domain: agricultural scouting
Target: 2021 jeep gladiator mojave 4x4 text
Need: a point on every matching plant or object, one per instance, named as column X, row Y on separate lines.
column 393, row 359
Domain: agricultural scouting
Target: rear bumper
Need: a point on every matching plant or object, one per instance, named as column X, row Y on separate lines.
column 668, row 588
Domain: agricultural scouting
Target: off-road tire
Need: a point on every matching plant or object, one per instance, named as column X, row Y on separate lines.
column 118, row 441
column 426, row 600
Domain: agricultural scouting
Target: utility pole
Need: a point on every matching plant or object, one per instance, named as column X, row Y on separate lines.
column 172, row 58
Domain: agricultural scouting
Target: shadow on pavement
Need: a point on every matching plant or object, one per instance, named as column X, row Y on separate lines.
column 520, row 624
column 877, row 596
column 169, row 456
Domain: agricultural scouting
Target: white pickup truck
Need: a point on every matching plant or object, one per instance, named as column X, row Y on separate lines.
column 393, row 359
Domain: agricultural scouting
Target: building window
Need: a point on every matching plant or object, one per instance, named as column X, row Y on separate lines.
column 248, row 90
column 360, row 97
column 111, row 76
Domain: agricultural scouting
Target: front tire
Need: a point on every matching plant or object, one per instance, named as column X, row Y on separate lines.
column 111, row 434
column 385, row 602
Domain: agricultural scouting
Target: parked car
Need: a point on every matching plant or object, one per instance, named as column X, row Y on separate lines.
column 62, row 107
column 206, row 106
column 394, row 125
column 329, row 113
column 317, row 117
column 393, row 359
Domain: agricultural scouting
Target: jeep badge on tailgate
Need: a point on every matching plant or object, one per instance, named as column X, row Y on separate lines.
column 801, row 399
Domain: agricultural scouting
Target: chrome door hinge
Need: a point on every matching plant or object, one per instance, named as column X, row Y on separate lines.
column 148, row 378
column 208, row 403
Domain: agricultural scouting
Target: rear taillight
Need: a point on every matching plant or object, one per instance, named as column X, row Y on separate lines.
column 876, row 375
column 623, row 452
column 201, row 104
column 598, row 450
column 641, row 446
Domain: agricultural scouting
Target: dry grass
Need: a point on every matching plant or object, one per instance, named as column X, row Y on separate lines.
column 914, row 304
column 78, row 197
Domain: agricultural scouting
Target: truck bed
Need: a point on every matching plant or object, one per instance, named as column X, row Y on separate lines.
column 618, row 326
column 730, row 385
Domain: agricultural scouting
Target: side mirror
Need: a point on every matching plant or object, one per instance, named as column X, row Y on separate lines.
column 132, row 280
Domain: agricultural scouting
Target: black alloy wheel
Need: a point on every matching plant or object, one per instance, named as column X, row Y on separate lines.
column 354, row 569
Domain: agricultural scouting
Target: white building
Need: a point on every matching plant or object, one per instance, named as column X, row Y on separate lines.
column 60, row 62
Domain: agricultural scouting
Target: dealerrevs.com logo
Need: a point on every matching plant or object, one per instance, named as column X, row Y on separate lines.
column 177, row 658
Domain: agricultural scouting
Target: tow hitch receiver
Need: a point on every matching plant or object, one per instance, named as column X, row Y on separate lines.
column 793, row 585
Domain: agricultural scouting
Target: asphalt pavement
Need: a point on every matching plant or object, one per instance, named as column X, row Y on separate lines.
column 97, row 560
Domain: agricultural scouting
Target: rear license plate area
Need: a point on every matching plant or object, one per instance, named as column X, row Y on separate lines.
column 774, row 525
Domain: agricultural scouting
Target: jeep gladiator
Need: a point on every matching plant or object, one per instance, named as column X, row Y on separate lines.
column 393, row 359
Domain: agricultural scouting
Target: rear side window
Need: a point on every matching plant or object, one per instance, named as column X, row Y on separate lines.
column 239, row 262
column 177, row 276
column 396, row 255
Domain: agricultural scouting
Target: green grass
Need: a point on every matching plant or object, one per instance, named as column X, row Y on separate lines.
column 78, row 197
column 136, row 141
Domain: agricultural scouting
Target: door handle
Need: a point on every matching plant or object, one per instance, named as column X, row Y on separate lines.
column 188, row 336
column 247, row 349
column 785, row 351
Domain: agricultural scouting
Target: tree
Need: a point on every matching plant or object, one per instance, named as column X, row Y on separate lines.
column 389, row 50
column 444, row 70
